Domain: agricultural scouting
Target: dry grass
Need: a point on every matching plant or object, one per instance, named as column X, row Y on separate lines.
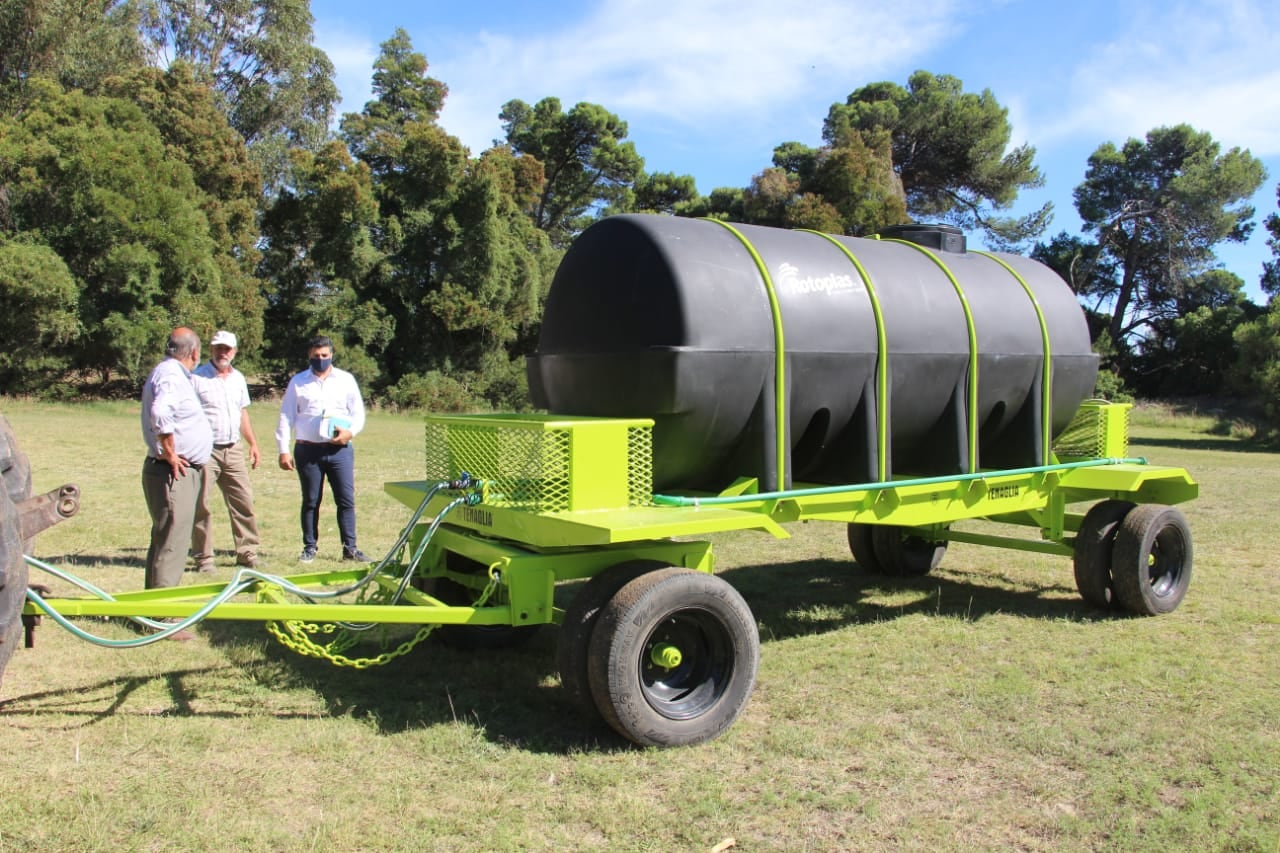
column 982, row 707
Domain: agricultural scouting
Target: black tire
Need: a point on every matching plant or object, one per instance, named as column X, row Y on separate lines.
column 700, row 693
column 860, row 547
column 903, row 553
column 1092, row 558
column 15, row 487
column 1151, row 560
column 473, row 636
column 580, row 619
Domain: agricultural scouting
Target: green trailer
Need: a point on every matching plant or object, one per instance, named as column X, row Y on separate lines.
column 514, row 508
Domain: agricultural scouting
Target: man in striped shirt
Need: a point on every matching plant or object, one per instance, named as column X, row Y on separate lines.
column 224, row 395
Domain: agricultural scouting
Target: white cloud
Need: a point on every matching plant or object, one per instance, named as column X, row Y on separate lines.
column 701, row 61
column 352, row 55
column 1212, row 66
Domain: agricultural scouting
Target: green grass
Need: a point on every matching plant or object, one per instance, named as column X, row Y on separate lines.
column 984, row 706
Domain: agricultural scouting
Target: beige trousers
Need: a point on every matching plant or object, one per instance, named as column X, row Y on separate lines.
column 229, row 469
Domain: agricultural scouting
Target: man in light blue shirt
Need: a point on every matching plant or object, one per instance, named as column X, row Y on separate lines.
column 323, row 408
column 179, row 442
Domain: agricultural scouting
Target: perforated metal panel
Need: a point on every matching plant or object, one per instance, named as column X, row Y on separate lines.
column 544, row 464
column 1099, row 430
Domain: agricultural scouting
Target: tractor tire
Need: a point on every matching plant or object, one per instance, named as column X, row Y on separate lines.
column 580, row 619
column 903, row 553
column 1151, row 560
column 15, row 471
column 1093, row 546
column 673, row 658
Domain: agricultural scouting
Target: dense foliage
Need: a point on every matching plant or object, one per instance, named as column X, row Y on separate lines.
column 167, row 161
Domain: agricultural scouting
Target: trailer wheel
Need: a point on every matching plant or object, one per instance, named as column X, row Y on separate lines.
column 1151, row 560
column 673, row 658
column 473, row 636
column 580, row 619
column 1094, row 542
column 904, row 553
column 862, row 549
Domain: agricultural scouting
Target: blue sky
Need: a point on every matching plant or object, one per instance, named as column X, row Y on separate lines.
column 709, row 87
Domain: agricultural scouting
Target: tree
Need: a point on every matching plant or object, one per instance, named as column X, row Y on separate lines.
column 1158, row 208
column 186, row 114
column 79, row 43
column 274, row 84
column 464, row 267
column 663, row 192
column 38, row 301
column 1193, row 351
column 586, row 163
column 321, row 259
column 1257, row 371
column 949, row 149
column 1271, row 269
column 93, row 180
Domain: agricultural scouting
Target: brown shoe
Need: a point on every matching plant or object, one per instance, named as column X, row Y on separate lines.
column 183, row 636
column 249, row 562
column 203, row 567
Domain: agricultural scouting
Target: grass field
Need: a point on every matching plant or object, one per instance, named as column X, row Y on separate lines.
column 982, row 707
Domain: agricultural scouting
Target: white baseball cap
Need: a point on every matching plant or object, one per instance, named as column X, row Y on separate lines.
column 226, row 339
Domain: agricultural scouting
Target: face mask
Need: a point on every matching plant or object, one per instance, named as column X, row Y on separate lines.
column 320, row 365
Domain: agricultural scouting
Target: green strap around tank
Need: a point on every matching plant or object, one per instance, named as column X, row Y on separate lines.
column 973, row 349
column 1046, row 395
column 882, row 358
column 779, row 349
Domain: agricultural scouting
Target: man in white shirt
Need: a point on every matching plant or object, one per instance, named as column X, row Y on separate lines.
column 179, row 442
column 224, row 395
column 323, row 408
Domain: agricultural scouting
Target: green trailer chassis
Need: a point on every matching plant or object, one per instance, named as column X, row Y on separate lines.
column 654, row 643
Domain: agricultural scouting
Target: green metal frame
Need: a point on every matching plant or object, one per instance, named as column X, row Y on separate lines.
column 522, row 552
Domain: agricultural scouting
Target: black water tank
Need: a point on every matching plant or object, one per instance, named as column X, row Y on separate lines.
column 680, row 320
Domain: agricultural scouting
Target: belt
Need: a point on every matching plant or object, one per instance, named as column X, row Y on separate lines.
column 315, row 443
column 156, row 460
column 224, row 446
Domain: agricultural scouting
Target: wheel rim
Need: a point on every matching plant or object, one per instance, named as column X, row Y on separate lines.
column 1166, row 562
column 702, row 651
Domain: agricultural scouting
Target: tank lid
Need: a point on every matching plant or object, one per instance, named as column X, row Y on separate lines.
column 941, row 238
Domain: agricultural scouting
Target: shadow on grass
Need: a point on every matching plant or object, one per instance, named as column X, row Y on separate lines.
column 1228, row 445
column 128, row 560
column 511, row 696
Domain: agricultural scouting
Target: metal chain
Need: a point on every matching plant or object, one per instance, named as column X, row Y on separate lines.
column 293, row 634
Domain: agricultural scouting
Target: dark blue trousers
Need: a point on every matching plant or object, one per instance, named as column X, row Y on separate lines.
column 315, row 463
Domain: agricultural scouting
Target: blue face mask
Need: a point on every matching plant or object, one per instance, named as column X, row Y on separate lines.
column 320, row 365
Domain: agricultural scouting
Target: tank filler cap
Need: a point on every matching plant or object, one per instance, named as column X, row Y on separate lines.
column 940, row 238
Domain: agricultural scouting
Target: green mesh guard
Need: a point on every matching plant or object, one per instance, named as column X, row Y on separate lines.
column 544, row 464
column 1099, row 430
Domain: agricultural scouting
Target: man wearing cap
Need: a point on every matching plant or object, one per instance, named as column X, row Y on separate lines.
column 224, row 395
column 179, row 442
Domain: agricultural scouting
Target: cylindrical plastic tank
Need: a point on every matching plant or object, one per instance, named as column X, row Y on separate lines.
column 793, row 356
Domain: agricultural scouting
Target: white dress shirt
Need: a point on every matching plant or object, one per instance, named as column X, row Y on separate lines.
column 309, row 401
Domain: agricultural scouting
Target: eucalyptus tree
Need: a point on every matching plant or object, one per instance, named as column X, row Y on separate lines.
column 274, row 84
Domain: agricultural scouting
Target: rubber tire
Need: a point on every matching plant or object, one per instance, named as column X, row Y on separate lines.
column 862, row 549
column 15, row 486
column 1093, row 546
column 1151, row 560
column 474, row 637
column 714, row 619
column 903, row 553
column 580, row 618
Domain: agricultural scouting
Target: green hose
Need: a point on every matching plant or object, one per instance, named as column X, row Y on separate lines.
column 725, row 500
